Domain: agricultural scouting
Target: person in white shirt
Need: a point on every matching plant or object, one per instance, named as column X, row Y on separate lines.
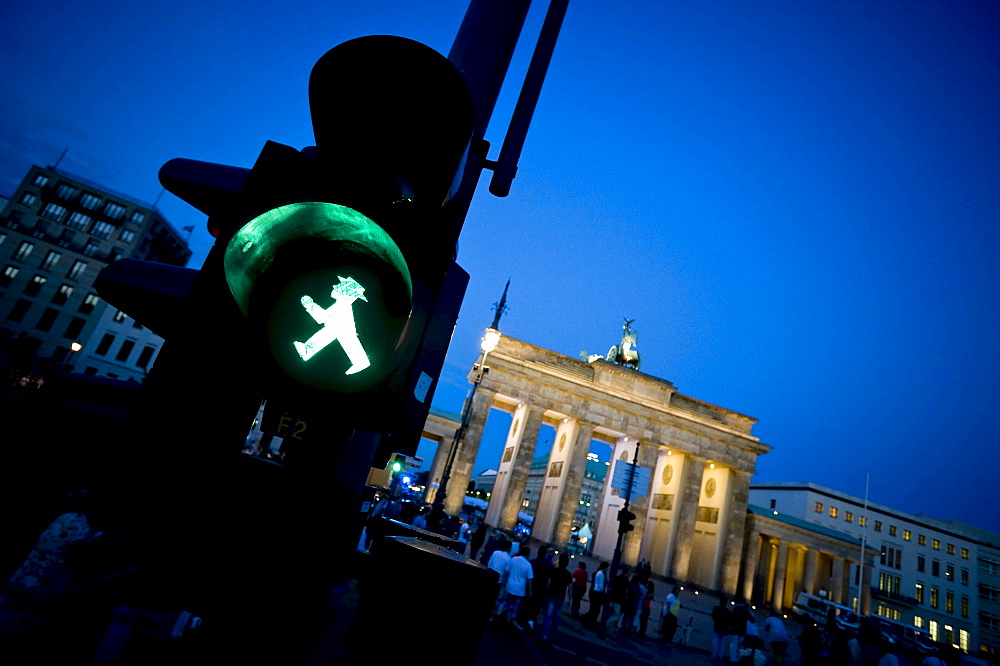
column 500, row 562
column 775, row 629
column 518, row 586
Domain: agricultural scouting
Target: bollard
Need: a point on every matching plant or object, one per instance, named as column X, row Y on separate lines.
column 414, row 586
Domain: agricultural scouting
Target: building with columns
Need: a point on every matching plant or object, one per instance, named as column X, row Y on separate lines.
column 700, row 459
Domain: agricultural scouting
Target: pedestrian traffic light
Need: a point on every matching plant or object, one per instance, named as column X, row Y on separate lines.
column 625, row 518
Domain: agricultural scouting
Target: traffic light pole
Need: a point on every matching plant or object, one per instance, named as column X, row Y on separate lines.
column 616, row 559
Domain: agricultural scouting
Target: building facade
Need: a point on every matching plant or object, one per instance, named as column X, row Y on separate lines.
column 939, row 575
column 57, row 232
column 591, row 490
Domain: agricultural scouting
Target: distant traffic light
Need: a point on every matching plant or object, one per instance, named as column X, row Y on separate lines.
column 625, row 518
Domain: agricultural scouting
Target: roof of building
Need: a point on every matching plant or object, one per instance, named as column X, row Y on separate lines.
column 801, row 524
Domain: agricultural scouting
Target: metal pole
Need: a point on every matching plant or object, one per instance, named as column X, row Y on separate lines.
column 616, row 559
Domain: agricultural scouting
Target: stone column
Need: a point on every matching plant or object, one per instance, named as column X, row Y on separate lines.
column 750, row 562
column 736, row 518
column 468, row 449
column 574, row 484
column 809, row 579
column 514, row 495
column 436, row 469
column 780, row 567
column 837, row 583
column 685, row 514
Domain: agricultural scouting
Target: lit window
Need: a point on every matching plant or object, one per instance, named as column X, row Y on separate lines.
column 66, row 192
column 848, row 517
column 102, row 230
column 833, row 512
column 113, row 210
column 965, row 553
column 951, row 549
column 862, row 520
column 62, row 295
column 90, row 201
column 126, row 236
column 949, row 602
column 932, row 626
column 91, row 248
column 35, row 286
column 79, row 221
column 120, row 317
column 922, row 540
column 965, row 606
column 936, row 544
column 819, row 507
column 29, row 199
column 963, row 639
column 77, row 270
column 907, row 535
column 934, row 597
column 51, row 259
column 138, row 217
column 53, row 212
column 919, row 594
column 9, row 273
column 918, row 622
column 89, row 303
column 23, row 251
column 40, row 180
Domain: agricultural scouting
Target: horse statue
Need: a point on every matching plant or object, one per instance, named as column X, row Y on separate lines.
column 624, row 354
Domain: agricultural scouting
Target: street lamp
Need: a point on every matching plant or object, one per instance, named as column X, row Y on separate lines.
column 488, row 343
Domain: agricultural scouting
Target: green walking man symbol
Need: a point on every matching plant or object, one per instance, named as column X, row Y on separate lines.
column 338, row 324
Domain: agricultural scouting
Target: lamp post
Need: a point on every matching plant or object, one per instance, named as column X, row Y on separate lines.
column 488, row 344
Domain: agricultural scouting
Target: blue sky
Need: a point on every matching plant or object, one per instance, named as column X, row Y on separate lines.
column 797, row 203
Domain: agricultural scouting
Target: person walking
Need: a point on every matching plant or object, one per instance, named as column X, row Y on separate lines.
column 721, row 619
column 579, row 587
column 518, row 586
column 560, row 579
column 775, row 630
column 740, row 617
column 598, row 595
column 671, row 614
column 500, row 562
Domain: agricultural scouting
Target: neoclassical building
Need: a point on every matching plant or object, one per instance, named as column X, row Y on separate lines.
column 699, row 458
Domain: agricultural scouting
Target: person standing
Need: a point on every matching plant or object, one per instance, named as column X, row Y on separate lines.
column 671, row 615
column 500, row 562
column 518, row 586
column 775, row 629
column 560, row 579
column 598, row 594
column 541, row 566
column 738, row 628
column 647, row 607
column 616, row 602
column 579, row 587
column 478, row 538
column 721, row 619
column 464, row 533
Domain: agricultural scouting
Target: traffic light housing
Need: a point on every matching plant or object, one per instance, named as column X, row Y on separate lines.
column 625, row 518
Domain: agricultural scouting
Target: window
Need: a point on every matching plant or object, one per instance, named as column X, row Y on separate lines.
column 833, row 512
column 147, row 353
column 41, row 227
column 922, row 540
column 9, row 273
column 862, row 520
column 89, row 302
column 14, row 219
column 20, row 309
column 90, row 201
column 125, row 350
column 51, row 259
column 949, row 572
column 40, row 180
column 936, row 544
column 138, row 217
column 949, row 602
column 79, row 221
column 965, row 607
column 989, row 567
column 35, row 286
column 932, row 626
column 951, row 549
column 878, row 525
column 934, row 597
column 62, row 295
column 935, row 568
column 53, row 212
column 23, row 250
column 918, row 593
column 91, row 248
column 819, row 507
column 113, row 210
column 965, row 553
column 120, row 317
column 126, row 236
column 74, row 328
column 892, row 530
column 66, row 192
column 102, row 230
column 848, row 517
column 77, row 271
column 907, row 535
column 921, row 563
column 47, row 319
column 28, row 199
column 964, row 576
column 888, row 583
column 918, row 622
column 105, row 344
